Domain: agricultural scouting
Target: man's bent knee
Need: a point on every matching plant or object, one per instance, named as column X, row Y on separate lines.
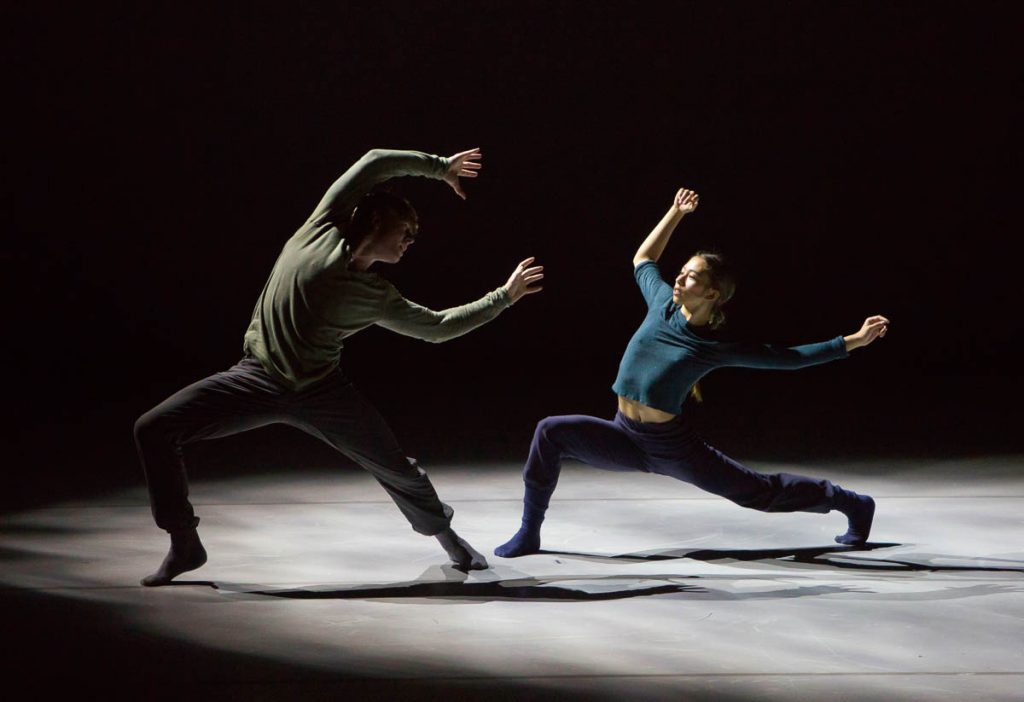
column 147, row 427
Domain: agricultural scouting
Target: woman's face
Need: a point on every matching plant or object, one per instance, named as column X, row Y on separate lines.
column 693, row 284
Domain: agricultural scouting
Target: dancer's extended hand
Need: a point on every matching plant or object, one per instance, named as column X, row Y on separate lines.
column 522, row 278
column 873, row 328
column 686, row 201
column 464, row 164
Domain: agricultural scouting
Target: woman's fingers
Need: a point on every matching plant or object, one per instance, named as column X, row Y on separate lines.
column 686, row 199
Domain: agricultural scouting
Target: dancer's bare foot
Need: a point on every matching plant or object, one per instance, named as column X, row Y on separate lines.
column 187, row 553
column 463, row 556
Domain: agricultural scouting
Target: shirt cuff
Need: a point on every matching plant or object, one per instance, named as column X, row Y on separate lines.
column 840, row 343
column 502, row 297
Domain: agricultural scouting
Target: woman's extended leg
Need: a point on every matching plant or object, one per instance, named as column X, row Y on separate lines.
column 696, row 462
column 596, row 442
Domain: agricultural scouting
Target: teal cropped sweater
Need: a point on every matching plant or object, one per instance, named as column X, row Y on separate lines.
column 666, row 356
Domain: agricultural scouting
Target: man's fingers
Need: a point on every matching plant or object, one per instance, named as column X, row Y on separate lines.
column 533, row 278
column 467, row 174
column 524, row 263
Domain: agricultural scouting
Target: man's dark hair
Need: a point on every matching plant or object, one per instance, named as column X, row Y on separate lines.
column 379, row 203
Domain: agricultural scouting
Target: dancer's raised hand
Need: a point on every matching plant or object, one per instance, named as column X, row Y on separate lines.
column 464, row 164
column 873, row 328
column 522, row 278
column 686, row 201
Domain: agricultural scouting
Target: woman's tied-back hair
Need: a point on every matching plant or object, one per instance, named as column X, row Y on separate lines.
column 723, row 279
column 377, row 202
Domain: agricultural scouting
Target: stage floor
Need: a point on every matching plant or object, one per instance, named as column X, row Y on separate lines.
column 648, row 589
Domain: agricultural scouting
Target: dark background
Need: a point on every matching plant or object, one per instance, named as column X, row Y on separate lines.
column 852, row 158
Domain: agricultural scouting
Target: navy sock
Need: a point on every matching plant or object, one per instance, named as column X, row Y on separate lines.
column 527, row 539
column 859, row 511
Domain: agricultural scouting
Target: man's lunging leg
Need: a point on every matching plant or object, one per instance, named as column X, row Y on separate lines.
column 226, row 403
column 336, row 413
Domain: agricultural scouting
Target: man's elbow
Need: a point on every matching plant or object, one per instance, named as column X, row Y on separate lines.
column 441, row 334
column 433, row 335
column 373, row 155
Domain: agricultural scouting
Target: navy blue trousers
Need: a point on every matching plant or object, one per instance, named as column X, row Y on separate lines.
column 245, row 397
column 670, row 448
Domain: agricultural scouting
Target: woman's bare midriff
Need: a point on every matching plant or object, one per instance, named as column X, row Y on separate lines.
column 639, row 412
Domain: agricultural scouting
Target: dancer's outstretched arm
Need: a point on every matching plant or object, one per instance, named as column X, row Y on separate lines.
column 410, row 319
column 379, row 165
column 778, row 357
column 654, row 245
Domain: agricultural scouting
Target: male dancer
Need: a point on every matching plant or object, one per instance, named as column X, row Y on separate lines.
column 320, row 291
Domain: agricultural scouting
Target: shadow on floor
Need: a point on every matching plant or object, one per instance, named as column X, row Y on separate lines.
column 843, row 558
column 439, row 584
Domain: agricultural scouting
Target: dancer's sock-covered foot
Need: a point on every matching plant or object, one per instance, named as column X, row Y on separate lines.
column 525, row 542
column 860, row 512
column 462, row 555
column 187, row 553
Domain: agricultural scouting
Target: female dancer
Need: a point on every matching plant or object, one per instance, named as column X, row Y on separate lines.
column 673, row 348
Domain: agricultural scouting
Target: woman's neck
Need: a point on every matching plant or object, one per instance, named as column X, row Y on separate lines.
column 697, row 317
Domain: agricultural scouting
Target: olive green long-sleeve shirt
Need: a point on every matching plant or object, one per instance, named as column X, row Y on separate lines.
column 313, row 301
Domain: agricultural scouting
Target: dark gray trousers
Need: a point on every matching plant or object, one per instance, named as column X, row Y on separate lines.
column 245, row 397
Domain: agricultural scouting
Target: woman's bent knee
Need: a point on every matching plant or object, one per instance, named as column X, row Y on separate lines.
column 550, row 428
